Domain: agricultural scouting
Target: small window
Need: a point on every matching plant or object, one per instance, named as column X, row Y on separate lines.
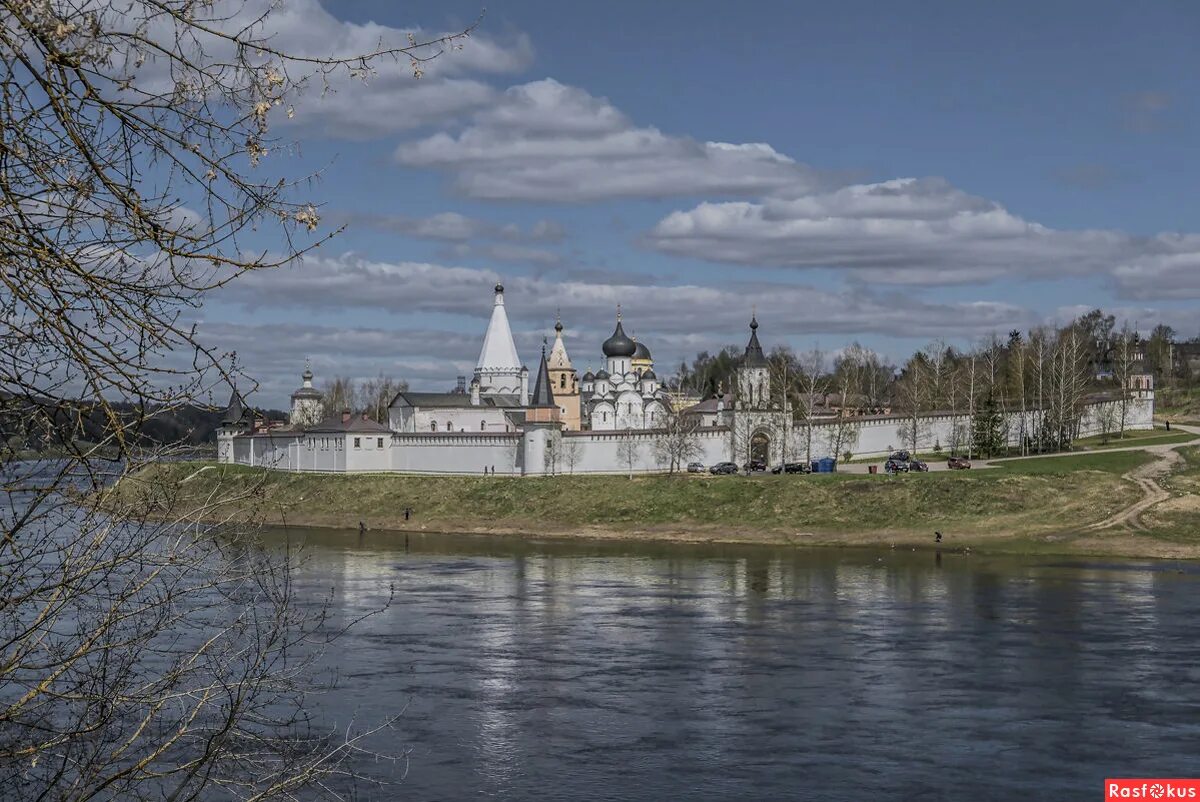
column 379, row 442
column 433, row 426
column 358, row 442
column 562, row 380
column 449, row 426
column 483, row 426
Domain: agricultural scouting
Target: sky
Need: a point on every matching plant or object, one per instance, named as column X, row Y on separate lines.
column 882, row 172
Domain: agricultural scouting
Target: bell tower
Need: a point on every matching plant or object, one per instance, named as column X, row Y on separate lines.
column 564, row 381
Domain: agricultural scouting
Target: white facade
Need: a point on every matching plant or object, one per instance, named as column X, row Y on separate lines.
column 486, row 431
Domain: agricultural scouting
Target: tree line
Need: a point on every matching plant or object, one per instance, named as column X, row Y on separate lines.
column 1039, row 381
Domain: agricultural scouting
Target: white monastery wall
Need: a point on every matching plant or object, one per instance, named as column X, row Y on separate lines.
column 600, row 452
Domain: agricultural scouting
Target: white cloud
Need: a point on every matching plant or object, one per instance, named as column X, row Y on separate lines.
column 659, row 311
column 454, row 227
column 904, row 231
column 385, row 100
column 545, row 141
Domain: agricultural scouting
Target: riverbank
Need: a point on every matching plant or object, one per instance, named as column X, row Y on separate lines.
column 1022, row 506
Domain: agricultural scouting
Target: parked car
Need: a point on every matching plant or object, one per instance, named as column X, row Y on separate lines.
column 919, row 466
column 899, row 456
column 958, row 463
column 723, row 468
column 895, row 466
column 792, row 467
column 696, row 467
column 755, row 465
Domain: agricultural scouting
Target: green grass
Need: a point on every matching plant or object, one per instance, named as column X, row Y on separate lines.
column 1024, row 499
column 1117, row 463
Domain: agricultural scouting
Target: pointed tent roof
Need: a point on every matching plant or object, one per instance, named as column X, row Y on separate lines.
column 234, row 410
column 542, row 395
column 558, row 354
column 754, row 353
column 499, row 352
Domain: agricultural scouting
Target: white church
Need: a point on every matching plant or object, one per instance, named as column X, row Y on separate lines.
column 613, row 421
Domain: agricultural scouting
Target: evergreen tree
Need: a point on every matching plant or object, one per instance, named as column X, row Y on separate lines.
column 988, row 428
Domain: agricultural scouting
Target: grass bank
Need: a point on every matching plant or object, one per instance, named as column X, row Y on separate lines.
column 1031, row 505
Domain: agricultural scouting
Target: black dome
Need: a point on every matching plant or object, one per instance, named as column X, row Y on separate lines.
column 648, row 374
column 603, row 374
column 619, row 343
column 641, row 352
column 589, row 376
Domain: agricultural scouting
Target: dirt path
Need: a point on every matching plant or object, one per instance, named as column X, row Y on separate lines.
column 1146, row 477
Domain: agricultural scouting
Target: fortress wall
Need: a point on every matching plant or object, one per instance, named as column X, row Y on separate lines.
column 601, row 452
column 594, row 452
column 459, row 453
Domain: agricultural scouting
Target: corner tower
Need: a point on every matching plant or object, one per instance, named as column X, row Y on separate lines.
column 564, row 381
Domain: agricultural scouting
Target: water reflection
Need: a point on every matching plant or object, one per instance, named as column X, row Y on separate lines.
column 610, row 671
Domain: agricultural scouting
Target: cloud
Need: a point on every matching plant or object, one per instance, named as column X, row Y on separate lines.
column 665, row 315
column 453, row 227
column 545, row 141
column 385, row 100
column 910, row 231
column 1168, row 268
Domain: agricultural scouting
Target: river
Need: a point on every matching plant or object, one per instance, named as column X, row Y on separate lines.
column 590, row 671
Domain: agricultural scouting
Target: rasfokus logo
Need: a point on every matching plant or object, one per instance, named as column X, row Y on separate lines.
column 1157, row 788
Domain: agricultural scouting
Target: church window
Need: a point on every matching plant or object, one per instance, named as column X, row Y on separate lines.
column 483, row 426
column 562, row 381
column 604, row 416
column 433, row 426
column 379, row 442
column 449, row 426
column 358, row 442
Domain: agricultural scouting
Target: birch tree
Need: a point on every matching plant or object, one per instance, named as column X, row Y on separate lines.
column 146, row 655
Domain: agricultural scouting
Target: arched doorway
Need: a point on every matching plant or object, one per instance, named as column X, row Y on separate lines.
column 760, row 447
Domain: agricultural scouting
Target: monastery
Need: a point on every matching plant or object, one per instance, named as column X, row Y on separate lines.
column 617, row 420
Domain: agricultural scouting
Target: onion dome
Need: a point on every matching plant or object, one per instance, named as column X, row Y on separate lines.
column 589, row 377
column 648, row 375
column 642, row 352
column 602, row 375
column 619, row 343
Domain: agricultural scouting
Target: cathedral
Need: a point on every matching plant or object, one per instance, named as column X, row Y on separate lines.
column 625, row 393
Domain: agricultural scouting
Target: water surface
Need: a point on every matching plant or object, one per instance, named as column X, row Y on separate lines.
column 589, row 671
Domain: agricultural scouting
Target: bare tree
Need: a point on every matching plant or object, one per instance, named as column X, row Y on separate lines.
column 340, row 393
column 375, row 396
column 811, row 383
column 571, row 451
column 145, row 655
column 914, row 397
column 1124, row 350
column 629, row 450
column 679, row 442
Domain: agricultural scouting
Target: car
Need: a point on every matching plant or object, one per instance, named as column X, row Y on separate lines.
column 899, row 456
column 919, row 466
column 792, row 467
column 958, row 463
column 754, row 466
column 895, row 466
column 696, row 467
column 723, row 468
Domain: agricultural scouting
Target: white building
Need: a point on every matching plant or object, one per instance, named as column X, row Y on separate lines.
column 621, row 396
column 499, row 427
